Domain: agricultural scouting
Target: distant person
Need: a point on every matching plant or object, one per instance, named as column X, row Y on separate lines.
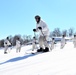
column 18, row 45
column 6, row 45
column 42, row 28
column 74, row 41
column 34, row 46
column 52, row 43
column 63, row 42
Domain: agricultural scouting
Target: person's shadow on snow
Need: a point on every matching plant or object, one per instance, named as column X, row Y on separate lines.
column 17, row 59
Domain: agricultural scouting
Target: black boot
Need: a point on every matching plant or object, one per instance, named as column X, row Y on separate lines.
column 40, row 50
column 46, row 49
column 5, row 52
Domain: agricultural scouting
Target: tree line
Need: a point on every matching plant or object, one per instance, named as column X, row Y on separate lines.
column 27, row 38
column 24, row 39
column 58, row 33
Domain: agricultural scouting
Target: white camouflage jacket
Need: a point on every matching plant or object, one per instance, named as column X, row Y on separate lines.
column 6, row 43
column 44, row 27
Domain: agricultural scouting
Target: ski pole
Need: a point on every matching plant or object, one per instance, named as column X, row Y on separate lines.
column 45, row 38
column 35, row 40
column 34, row 35
column 43, row 35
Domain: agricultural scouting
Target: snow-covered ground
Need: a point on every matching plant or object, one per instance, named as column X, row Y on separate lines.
column 56, row 62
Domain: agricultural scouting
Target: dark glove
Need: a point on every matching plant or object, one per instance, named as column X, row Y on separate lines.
column 34, row 30
column 35, row 42
column 5, row 42
column 11, row 43
column 40, row 28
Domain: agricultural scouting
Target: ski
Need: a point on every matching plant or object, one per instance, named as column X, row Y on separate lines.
column 33, row 52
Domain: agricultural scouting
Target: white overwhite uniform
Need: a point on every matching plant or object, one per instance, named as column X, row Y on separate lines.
column 74, row 42
column 6, row 45
column 34, row 46
column 52, row 44
column 44, row 34
column 63, row 42
column 18, row 46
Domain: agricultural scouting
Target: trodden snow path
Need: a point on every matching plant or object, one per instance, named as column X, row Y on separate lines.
column 56, row 62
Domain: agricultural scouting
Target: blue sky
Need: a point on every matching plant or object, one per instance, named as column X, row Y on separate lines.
column 17, row 16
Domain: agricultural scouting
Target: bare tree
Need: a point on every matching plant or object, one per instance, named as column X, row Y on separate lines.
column 56, row 32
column 2, row 43
column 71, row 31
column 64, row 32
column 14, row 39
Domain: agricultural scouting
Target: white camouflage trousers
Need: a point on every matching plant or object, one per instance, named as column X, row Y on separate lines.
column 18, row 49
column 62, row 45
column 6, row 48
column 34, row 46
column 52, row 45
column 43, row 42
column 74, row 44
